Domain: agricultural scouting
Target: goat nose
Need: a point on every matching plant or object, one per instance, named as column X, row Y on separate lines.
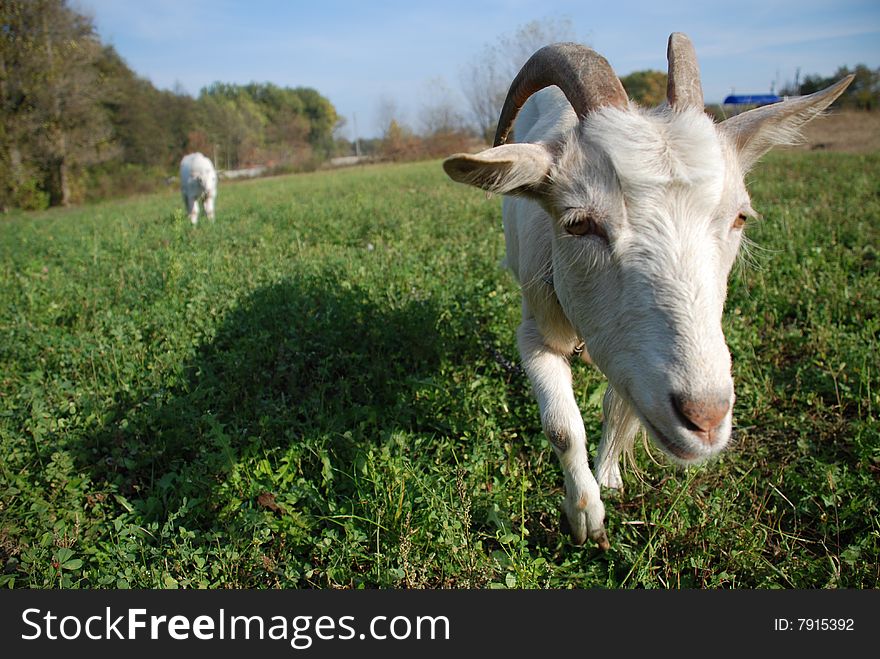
column 702, row 416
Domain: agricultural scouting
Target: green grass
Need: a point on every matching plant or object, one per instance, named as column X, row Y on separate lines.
column 313, row 393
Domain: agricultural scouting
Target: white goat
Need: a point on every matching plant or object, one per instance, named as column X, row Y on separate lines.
column 198, row 182
column 622, row 227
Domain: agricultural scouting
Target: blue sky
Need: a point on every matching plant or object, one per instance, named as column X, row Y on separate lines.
column 359, row 53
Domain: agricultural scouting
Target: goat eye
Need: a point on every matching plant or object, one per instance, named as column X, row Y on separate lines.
column 739, row 221
column 586, row 225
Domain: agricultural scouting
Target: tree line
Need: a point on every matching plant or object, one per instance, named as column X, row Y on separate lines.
column 77, row 123
column 862, row 94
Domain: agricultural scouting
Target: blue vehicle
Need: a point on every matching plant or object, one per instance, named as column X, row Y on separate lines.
column 751, row 99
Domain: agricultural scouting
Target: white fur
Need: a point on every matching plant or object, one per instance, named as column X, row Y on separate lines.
column 198, row 182
column 666, row 186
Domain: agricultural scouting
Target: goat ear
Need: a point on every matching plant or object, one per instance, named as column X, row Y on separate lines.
column 757, row 131
column 506, row 169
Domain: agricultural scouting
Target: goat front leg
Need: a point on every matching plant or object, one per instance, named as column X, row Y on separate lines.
column 209, row 207
column 550, row 374
column 193, row 209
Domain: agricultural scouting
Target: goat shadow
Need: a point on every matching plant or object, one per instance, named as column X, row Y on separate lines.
column 309, row 361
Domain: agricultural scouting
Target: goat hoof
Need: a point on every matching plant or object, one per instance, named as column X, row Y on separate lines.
column 602, row 540
column 600, row 537
column 567, row 529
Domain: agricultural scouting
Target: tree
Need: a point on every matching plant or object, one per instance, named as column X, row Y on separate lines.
column 232, row 120
column 486, row 80
column 440, row 114
column 862, row 94
column 262, row 120
column 399, row 142
column 64, row 93
column 150, row 126
column 386, row 113
column 647, row 88
column 322, row 118
column 17, row 57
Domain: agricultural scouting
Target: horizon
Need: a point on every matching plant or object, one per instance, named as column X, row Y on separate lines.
column 363, row 55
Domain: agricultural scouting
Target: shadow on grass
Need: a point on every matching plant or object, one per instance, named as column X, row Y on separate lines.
column 299, row 380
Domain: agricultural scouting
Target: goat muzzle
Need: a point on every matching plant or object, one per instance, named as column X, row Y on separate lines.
column 702, row 416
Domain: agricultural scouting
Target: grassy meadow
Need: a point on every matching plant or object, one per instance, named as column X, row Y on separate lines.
column 317, row 392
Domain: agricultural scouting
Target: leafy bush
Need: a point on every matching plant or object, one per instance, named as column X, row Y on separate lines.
column 121, row 180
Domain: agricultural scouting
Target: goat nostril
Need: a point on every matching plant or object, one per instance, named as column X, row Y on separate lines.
column 679, row 406
column 701, row 416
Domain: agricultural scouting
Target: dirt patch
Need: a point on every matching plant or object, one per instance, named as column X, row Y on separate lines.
column 848, row 130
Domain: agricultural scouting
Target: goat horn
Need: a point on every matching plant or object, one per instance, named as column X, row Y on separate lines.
column 683, row 89
column 584, row 76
